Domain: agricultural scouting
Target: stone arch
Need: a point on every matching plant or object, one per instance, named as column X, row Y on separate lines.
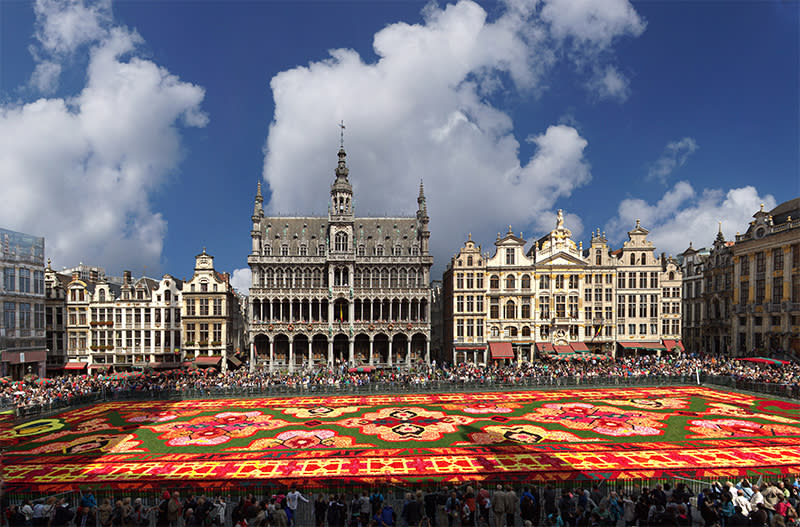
column 419, row 347
column 281, row 350
column 261, row 344
column 319, row 348
column 361, row 349
column 380, row 348
column 400, row 348
column 341, row 348
column 300, row 349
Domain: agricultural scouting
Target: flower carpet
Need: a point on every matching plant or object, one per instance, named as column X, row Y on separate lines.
column 639, row 433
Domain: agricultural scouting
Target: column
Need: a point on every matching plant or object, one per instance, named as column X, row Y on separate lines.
column 350, row 352
column 291, row 355
column 427, row 351
column 252, row 355
column 371, row 342
column 330, row 353
column 408, row 352
column 310, row 348
column 351, row 310
column 390, row 350
column 271, row 354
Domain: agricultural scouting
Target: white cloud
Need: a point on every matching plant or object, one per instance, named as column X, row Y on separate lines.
column 420, row 111
column 675, row 155
column 45, row 77
column 593, row 23
column 609, row 83
column 81, row 170
column 682, row 215
column 241, row 280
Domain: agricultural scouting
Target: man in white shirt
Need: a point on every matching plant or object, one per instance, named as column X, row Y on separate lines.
column 756, row 498
column 741, row 502
column 292, row 500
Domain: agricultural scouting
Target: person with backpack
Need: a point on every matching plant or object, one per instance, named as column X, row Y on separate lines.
column 452, row 507
column 527, row 506
column 386, row 516
column 376, row 502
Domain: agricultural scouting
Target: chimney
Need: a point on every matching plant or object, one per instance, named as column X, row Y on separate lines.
column 126, row 277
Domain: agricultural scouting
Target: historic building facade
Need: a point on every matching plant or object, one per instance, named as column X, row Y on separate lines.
column 766, row 283
column 213, row 324
column 559, row 298
column 341, row 288
column 23, row 348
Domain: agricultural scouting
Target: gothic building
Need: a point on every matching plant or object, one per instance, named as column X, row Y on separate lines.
column 340, row 288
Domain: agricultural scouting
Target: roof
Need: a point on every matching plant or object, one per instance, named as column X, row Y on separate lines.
column 788, row 208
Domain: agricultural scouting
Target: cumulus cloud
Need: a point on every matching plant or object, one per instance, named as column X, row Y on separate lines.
column 421, row 112
column 593, row 23
column 682, row 215
column 609, row 83
column 80, row 170
column 675, row 155
column 241, row 280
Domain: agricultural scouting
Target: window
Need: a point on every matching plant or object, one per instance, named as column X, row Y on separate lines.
column 470, row 304
column 526, row 308
column 633, row 259
column 587, row 313
column 459, row 304
column 8, row 279
column 609, row 294
column 588, row 279
column 24, row 281
column 526, row 281
column 284, row 250
column 470, row 327
column 654, row 306
column 796, row 255
column 203, row 307
column 598, row 294
column 459, row 328
column 760, row 262
column 573, row 306
column 362, row 251
column 379, row 250
column 494, row 308
column 470, row 281
column 38, row 282
column 479, row 281
column 217, row 333
column 744, row 293
column 24, row 316
column 544, row 307
column 573, row 281
column 621, row 329
column 642, row 280
column 9, row 316
column 559, row 281
column 203, row 287
column 621, row 281
column 479, row 304
column 654, row 280
column 632, row 281
column 494, row 282
column 631, row 329
column 544, row 282
column 340, row 243
column 587, row 294
column 398, row 251
column 479, row 328
column 459, row 280
column 744, row 265
column 795, row 288
column 642, row 306
column 760, row 291
column 621, row 305
column 509, row 256
column 598, row 257
column 320, row 249
column 777, row 259
column 609, row 316
column 204, row 333
column 511, row 310
column 631, row 305
column 544, row 331
column 303, row 250
column 511, row 282
column 217, row 307
column 561, row 306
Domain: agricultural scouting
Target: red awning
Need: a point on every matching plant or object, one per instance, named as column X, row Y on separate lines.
column 98, row 366
column 579, row 346
column 470, row 348
column 207, row 361
column 501, row 350
column 546, row 347
column 164, row 365
column 563, row 349
column 75, row 365
column 673, row 344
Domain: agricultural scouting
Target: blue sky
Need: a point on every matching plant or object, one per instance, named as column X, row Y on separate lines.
column 142, row 135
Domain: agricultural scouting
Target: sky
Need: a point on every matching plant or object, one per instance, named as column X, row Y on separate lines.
column 133, row 134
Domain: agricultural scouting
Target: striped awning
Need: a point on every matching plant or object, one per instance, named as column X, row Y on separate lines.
column 545, row 347
column 563, row 349
column 501, row 350
column 579, row 346
column 76, row 365
column 671, row 345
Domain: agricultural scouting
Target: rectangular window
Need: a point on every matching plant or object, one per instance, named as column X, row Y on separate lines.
column 744, row 265
column 796, row 288
column 588, row 279
column 190, row 312
column 544, row 307
column 621, row 305
column 631, row 329
column 621, row 329
column 587, row 294
column 217, row 333
column 573, row 281
column 643, row 329
column 544, row 282
column 9, row 316
column 653, row 280
column 470, row 328
column 559, row 281
column 777, row 290
column 459, row 328
column 459, row 304
column 587, row 313
column 642, row 305
column 479, row 304
column 526, row 308
column 190, row 333
column 609, row 314
column 632, row 281
column 653, row 329
column 609, row 294
column 217, row 307
column 38, row 316
column 8, row 279
column 621, row 281
column 654, row 305
column 459, row 280
column 204, row 307
column 761, row 263
column 760, row 291
column 494, row 308
column 665, row 327
column 509, row 256
column 479, row 327
column 777, row 259
column 642, row 280
column 24, row 281
column 470, row 304
column 38, row 282
column 203, row 332
column 470, row 281
column 561, row 306
column 24, row 316
column 479, row 281
column 598, row 294
column 631, row 305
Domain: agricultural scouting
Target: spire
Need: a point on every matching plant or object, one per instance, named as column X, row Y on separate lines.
column 720, row 237
column 258, row 210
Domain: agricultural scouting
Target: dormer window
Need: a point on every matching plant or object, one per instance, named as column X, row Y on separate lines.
column 284, row 250
column 268, row 250
column 469, row 261
column 203, row 287
column 509, row 256
column 321, row 250
column 340, row 242
column 414, row 250
column 398, row 251
column 303, row 250
column 362, row 250
column 379, row 250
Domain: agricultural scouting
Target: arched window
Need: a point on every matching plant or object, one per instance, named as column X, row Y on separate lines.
column 511, row 282
column 167, row 296
column 398, row 251
column 269, row 278
column 317, row 275
column 633, row 259
column 526, row 281
column 303, row 250
column 394, row 278
column 672, row 275
column 284, row 250
column 526, row 331
column 598, row 257
column 403, row 278
column 267, row 249
column 379, row 250
column 495, row 331
column 469, row 260
column 384, row 278
column 494, row 282
column 644, row 259
column 307, row 278
column 340, row 244
column 102, row 295
column 512, row 331
column 412, row 278
column 361, row 250
column 415, row 250
column 511, row 310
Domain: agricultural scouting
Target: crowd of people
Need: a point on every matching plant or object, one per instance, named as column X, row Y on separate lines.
column 723, row 504
column 63, row 390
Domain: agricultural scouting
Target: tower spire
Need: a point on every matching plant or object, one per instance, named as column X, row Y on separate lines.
column 258, row 210
column 341, row 134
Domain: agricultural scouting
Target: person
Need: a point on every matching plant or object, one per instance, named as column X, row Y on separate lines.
column 27, row 512
column 499, row 506
column 364, row 508
column 320, row 509
column 452, row 507
column 484, row 504
column 511, row 506
column 104, row 513
column 413, row 511
column 527, row 506
column 376, row 502
column 174, row 509
column 431, row 501
column 739, row 518
column 292, row 500
column 218, row 512
column 386, row 516
column 742, row 502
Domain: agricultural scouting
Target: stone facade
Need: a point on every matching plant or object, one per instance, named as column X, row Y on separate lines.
column 766, row 283
column 559, row 295
column 23, row 347
column 341, row 288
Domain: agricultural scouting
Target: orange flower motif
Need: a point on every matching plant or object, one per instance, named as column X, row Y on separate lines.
column 737, row 428
column 407, row 423
column 525, row 434
column 320, row 411
column 605, row 420
column 216, row 429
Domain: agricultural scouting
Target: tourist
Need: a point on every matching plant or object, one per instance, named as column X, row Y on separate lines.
column 511, row 506
column 292, row 500
column 320, row 510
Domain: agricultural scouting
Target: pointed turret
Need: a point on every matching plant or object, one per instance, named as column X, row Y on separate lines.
column 423, row 220
column 258, row 208
column 342, row 190
column 258, row 215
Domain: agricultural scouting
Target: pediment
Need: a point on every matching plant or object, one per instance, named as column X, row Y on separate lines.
column 561, row 258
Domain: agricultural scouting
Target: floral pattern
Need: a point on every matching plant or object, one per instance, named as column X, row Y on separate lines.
column 606, row 420
column 729, row 410
column 320, row 411
column 302, row 439
column 737, row 428
column 407, row 423
column 483, row 408
column 661, row 403
column 90, row 443
column 159, row 417
column 526, row 434
column 216, row 429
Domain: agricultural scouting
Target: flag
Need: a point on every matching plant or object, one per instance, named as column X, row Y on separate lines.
column 341, row 314
column 599, row 329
